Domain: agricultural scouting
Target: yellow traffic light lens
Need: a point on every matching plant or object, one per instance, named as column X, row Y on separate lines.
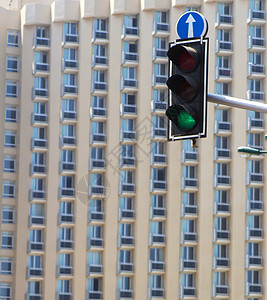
column 185, row 121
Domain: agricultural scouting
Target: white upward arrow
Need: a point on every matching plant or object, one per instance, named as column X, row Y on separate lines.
column 190, row 20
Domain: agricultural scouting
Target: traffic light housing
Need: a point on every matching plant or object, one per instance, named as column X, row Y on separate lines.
column 188, row 67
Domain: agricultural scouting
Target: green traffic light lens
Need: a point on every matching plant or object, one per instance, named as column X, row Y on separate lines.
column 185, row 121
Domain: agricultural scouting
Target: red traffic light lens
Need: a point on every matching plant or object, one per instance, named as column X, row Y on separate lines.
column 186, row 62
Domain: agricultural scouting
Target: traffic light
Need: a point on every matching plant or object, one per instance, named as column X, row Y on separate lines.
column 187, row 111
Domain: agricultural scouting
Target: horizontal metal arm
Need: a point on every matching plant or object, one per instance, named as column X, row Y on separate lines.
column 239, row 103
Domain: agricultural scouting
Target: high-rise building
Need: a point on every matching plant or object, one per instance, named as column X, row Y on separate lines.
column 95, row 203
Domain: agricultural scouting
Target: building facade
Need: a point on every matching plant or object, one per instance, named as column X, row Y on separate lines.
column 95, row 203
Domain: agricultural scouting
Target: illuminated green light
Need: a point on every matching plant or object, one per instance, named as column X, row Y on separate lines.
column 185, row 121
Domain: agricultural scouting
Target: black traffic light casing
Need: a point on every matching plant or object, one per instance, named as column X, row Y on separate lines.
column 188, row 67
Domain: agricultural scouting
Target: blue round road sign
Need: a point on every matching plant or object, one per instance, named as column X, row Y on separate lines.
column 191, row 24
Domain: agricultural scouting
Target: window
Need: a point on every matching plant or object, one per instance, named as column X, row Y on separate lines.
column 189, row 172
column 42, row 32
column 70, row 54
column 11, row 113
column 187, row 146
column 37, row 210
column 66, row 208
column 254, row 166
column 101, row 28
column 97, row 153
column 68, row 105
column 159, row 122
column 158, row 174
column 221, row 169
column 37, row 184
column 68, row 130
column 222, row 142
column 127, row 151
column 253, row 277
column 12, row 63
column 220, row 278
column 38, row 158
column 155, row 281
column 188, row 226
column 8, row 215
column 159, row 95
column 125, row 256
column 254, row 222
column 13, row 38
column 69, row 79
column 130, row 51
column 222, row 115
column 35, row 262
column 131, row 21
column 100, row 54
column 95, row 232
column 125, row 230
column 11, row 89
column 34, row 288
column 124, row 283
column 221, row 196
column 255, row 87
column 96, row 180
column 9, row 164
column 126, row 203
column 157, row 201
column 39, row 108
column 129, row 73
column 256, row 5
column 6, row 240
column 40, row 83
column 10, row 138
column 255, row 58
column 191, row 8
column 5, row 268
column 224, row 9
column 127, row 177
column 223, row 62
column 64, row 260
column 161, row 43
column 187, row 281
column 223, row 88
column 100, row 79
column 98, row 104
column 223, row 35
column 94, row 258
column 67, row 182
column 189, row 199
column 65, row 233
column 220, row 251
column 157, row 228
column 94, row 285
column 161, row 17
column 156, row 254
column 5, row 291
column 8, row 189
column 160, row 70
column 41, row 60
column 253, row 249
column 221, row 223
column 39, row 133
column 128, row 125
column 254, row 194
column 67, row 156
column 255, row 140
column 64, row 286
column 71, row 28
column 96, row 205
column 188, row 253
column 256, row 31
